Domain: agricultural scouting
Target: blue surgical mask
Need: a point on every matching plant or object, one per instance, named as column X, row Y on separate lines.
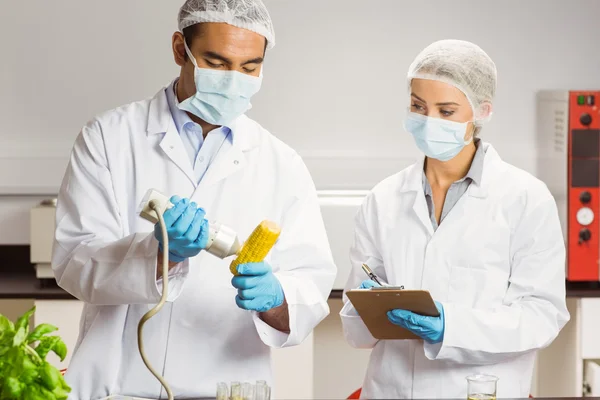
column 437, row 138
column 221, row 96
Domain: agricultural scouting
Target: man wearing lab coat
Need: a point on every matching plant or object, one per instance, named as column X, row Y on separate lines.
column 192, row 140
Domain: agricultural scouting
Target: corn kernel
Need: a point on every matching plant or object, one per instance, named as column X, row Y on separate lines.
column 258, row 245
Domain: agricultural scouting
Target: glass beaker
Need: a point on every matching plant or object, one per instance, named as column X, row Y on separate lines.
column 481, row 387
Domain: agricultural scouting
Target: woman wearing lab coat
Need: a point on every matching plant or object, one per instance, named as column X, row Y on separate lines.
column 482, row 236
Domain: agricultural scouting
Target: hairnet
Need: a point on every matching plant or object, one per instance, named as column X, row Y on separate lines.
column 246, row 14
column 461, row 64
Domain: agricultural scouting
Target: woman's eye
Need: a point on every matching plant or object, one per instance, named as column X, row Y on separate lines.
column 249, row 70
column 418, row 107
column 446, row 113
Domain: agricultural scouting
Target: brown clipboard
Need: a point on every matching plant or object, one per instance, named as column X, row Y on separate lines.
column 373, row 304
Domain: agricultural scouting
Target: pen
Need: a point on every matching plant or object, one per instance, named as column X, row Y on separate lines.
column 371, row 274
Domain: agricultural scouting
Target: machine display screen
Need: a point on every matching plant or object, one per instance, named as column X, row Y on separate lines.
column 585, row 153
column 585, row 143
column 585, row 173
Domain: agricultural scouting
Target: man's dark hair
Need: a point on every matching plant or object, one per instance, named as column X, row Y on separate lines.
column 195, row 30
column 188, row 34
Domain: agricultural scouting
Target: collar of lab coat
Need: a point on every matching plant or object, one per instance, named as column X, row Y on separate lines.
column 160, row 121
column 491, row 168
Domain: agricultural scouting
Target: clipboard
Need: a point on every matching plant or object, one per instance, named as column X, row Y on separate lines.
column 373, row 304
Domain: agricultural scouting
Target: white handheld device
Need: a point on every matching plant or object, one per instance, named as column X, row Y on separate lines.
column 222, row 241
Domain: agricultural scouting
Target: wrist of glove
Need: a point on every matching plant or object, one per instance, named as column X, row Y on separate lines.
column 368, row 284
column 258, row 288
column 172, row 257
column 187, row 230
column 430, row 329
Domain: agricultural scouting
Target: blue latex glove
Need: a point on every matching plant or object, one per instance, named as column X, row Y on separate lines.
column 258, row 288
column 186, row 228
column 430, row 329
column 368, row 284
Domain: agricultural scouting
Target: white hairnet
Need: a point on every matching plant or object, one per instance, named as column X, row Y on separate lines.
column 246, row 14
column 461, row 64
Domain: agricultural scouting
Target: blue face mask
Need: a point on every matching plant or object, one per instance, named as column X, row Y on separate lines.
column 437, row 138
column 221, row 96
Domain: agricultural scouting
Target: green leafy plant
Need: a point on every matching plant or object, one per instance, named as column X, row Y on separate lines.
column 24, row 372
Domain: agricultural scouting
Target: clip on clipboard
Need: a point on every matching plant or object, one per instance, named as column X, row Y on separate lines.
column 373, row 304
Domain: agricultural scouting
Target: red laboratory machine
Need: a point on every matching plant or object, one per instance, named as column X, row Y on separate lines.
column 569, row 163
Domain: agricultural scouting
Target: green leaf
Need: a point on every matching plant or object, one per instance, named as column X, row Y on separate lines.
column 61, row 394
column 49, row 376
column 39, row 331
column 24, row 375
column 5, row 324
column 60, row 349
column 36, row 392
column 7, row 332
column 11, row 389
column 64, row 385
column 22, row 366
column 20, row 337
column 54, row 344
column 47, row 343
column 23, row 321
column 6, row 342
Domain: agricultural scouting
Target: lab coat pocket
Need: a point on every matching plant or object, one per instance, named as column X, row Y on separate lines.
column 467, row 285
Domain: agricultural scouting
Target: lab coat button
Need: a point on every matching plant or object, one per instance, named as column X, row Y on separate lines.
column 236, row 162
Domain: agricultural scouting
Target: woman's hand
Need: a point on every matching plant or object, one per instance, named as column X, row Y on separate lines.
column 430, row 329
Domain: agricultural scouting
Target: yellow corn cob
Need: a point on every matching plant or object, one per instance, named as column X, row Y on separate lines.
column 258, row 245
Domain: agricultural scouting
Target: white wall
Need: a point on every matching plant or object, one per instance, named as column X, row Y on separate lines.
column 334, row 87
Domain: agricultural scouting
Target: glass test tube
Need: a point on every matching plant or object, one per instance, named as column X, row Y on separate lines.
column 222, row 391
column 260, row 392
column 236, row 391
column 247, row 391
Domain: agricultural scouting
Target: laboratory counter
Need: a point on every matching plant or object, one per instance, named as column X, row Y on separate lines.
column 537, row 398
column 18, row 280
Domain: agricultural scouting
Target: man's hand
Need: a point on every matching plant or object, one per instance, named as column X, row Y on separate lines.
column 431, row 329
column 258, row 288
column 187, row 230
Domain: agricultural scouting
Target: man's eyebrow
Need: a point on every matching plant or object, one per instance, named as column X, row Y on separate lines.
column 216, row 56
column 257, row 60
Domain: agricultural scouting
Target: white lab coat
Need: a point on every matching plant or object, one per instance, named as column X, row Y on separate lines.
column 105, row 255
column 496, row 263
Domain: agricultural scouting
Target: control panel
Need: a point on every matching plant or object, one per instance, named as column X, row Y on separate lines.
column 583, row 187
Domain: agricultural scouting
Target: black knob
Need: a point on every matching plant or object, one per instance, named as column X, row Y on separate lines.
column 585, row 197
column 584, row 235
column 585, row 119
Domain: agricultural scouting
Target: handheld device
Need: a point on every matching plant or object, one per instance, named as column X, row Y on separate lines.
column 223, row 242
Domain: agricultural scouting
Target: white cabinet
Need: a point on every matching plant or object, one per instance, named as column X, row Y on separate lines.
column 569, row 366
column 64, row 314
column 339, row 209
column 590, row 327
column 591, row 385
